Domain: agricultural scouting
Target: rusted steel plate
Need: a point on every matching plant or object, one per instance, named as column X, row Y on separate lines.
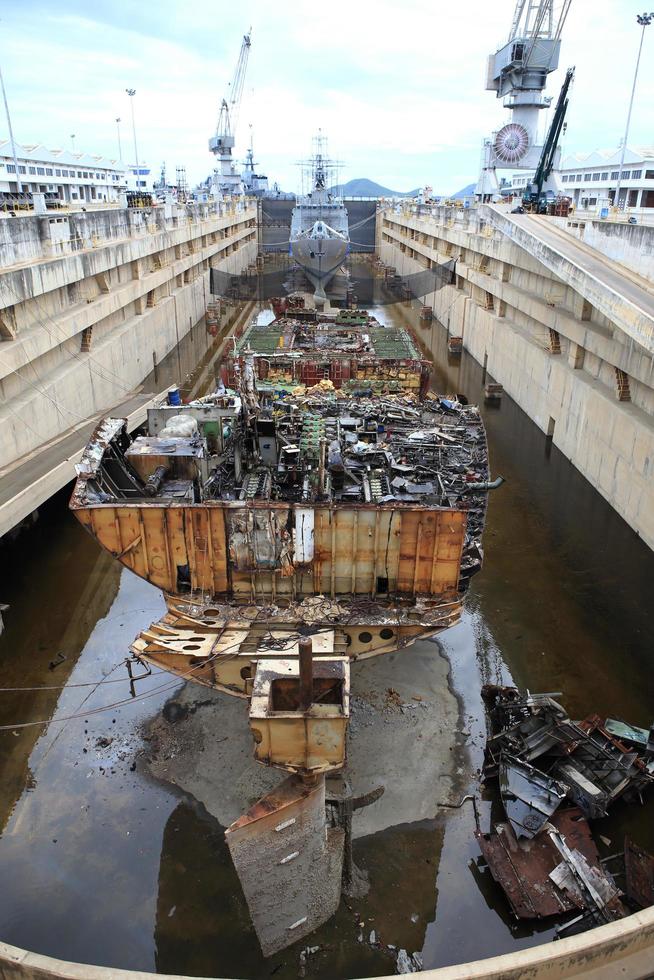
column 522, row 868
column 639, row 874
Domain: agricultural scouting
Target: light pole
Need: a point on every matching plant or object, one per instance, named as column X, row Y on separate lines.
column 120, row 149
column 644, row 20
column 72, row 141
column 132, row 92
column 19, row 185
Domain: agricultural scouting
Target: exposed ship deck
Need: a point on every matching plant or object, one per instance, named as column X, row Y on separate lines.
column 352, row 350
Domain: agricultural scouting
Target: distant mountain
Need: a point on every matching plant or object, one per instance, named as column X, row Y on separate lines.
column 466, row 191
column 362, row 187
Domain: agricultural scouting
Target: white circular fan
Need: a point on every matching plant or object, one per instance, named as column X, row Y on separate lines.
column 511, row 143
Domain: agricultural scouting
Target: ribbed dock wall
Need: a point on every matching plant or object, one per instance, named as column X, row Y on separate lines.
column 563, row 361
column 89, row 301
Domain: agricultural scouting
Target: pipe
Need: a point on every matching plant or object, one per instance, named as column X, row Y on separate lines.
column 306, row 672
column 155, row 481
column 486, row 485
column 321, row 471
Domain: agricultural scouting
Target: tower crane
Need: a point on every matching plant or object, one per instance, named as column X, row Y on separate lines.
column 226, row 180
column 517, row 73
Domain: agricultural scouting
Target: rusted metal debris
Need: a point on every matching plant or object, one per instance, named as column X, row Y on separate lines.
column 639, row 875
column 594, row 766
column 351, row 349
column 544, row 858
column 524, row 868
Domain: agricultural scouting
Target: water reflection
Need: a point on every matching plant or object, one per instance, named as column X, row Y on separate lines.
column 203, row 925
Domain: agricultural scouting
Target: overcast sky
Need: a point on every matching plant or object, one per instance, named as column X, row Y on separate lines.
column 398, row 87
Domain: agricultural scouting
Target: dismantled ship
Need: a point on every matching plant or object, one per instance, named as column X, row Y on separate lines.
column 350, row 349
column 319, row 227
column 292, row 530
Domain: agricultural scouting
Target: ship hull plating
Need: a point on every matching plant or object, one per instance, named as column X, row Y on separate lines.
column 319, row 258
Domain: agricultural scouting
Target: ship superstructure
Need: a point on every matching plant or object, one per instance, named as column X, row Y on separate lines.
column 319, row 226
column 351, row 351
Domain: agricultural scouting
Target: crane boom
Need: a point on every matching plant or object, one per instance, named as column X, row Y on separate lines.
column 546, row 162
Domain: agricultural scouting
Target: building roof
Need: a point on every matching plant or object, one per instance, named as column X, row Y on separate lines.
column 39, row 152
column 607, row 158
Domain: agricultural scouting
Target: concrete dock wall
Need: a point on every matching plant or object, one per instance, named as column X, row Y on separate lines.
column 631, row 245
column 563, row 361
column 84, row 316
column 622, row 949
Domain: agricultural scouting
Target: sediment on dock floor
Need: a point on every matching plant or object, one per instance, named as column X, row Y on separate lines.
column 403, row 736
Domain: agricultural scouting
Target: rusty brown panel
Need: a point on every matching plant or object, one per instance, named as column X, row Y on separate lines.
column 426, row 543
column 388, row 559
column 450, row 536
column 639, row 871
column 104, row 527
column 131, row 534
column 156, row 553
column 322, row 549
column 321, row 517
column 409, row 523
column 177, row 547
column 365, row 549
column 241, row 583
column 343, row 548
column 218, row 549
column 83, row 515
column 202, row 573
column 522, row 868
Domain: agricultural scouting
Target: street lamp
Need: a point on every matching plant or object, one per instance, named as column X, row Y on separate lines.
column 120, row 149
column 19, row 185
column 644, row 20
column 72, row 141
column 132, row 92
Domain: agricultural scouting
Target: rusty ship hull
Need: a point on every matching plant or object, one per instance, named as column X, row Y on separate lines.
column 381, row 565
column 291, row 530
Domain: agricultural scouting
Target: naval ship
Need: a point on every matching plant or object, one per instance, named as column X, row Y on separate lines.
column 319, row 227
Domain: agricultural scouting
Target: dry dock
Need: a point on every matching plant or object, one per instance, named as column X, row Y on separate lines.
column 90, row 302
column 567, row 331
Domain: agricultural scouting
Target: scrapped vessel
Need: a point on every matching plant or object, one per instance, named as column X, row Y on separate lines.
column 293, row 528
column 319, row 227
column 358, row 515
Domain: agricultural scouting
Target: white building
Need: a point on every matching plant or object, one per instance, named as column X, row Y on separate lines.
column 61, row 175
column 591, row 179
column 140, row 180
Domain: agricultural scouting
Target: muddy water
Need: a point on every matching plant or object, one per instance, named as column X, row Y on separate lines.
column 101, row 864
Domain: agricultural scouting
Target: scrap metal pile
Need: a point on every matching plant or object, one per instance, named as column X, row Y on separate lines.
column 555, row 774
column 316, row 447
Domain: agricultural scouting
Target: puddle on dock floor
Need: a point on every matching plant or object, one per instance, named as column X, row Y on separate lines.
column 106, row 865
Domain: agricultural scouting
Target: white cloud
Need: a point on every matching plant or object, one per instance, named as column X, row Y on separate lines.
column 399, row 89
